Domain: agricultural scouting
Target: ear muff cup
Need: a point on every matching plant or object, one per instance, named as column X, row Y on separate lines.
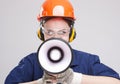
column 40, row 34
column 72, row 34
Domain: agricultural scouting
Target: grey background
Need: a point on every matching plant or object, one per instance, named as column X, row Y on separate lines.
column 97, row 25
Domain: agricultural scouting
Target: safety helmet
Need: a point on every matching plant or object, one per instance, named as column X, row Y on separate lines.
column 56, row 8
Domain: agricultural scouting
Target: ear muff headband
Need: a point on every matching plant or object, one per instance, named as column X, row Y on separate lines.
column 71, row 36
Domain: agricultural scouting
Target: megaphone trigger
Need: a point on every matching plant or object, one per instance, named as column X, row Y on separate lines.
column 55, row 55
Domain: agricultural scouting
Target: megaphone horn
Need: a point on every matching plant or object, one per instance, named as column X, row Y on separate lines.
column 55, row 55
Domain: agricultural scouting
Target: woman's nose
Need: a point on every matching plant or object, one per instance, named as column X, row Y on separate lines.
column 57, row 36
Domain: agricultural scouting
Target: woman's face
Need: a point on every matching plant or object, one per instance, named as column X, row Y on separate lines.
column 56, row 28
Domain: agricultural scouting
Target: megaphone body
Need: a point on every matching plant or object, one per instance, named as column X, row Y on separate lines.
column 55, row 55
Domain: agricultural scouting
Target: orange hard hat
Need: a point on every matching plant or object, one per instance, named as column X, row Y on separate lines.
column 56, row 8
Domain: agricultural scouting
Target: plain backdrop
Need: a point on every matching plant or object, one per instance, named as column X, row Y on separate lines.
column 97, row 25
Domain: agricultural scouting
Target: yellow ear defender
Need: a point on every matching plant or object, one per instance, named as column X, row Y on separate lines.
column 72, row 34
column 40, row 34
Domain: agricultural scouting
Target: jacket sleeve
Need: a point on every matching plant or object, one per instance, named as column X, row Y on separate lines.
column 99, row 69
column 21, row 73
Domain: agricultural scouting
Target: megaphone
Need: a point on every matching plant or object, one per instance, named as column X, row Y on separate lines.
column 55, row 55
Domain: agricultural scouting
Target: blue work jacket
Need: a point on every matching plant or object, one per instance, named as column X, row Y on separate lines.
column 29, row 68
